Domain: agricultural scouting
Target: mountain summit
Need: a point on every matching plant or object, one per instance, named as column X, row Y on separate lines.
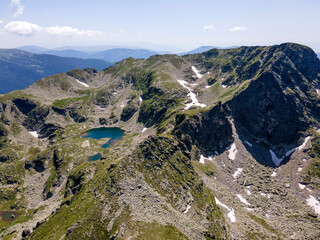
column 217, row 145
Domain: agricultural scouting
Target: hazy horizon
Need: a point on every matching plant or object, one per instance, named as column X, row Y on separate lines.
column 164, row 26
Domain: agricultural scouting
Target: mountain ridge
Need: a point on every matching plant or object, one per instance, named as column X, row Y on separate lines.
column 213, row 148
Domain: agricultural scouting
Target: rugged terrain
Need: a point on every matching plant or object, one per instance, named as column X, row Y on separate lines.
column 218, row 145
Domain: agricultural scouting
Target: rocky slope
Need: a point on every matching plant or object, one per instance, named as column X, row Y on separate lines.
column 218, row 145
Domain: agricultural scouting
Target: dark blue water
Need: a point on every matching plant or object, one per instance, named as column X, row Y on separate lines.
column 95, row 157
column 115, row 135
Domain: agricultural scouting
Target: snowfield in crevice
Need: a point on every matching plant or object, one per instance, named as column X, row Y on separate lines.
column 232, row 151
column 230, row 210
column 303, row 145
column 34, row 133
column 82, row 83
column 243, row 200
column 192, row 96
column 196, row 72
column 144, row 129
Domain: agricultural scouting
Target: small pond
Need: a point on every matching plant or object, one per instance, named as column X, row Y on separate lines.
column 95, row 157
column 113, row 133
column 8, row 216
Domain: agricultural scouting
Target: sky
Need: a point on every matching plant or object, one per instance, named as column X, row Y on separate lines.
column 174, row 25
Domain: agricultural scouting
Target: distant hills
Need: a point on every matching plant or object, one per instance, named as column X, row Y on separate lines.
column 19, row 69
column 110, row 55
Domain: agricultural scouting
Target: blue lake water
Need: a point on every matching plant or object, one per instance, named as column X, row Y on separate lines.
column 95, row 157
column 114, row 134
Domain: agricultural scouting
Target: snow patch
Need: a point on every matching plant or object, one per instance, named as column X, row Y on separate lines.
column 144, row 129
column 275, row 159
column 314, row 203
column 237, row 173
column 201, row 159
column 140, row 98
column 224, row 86
column 208, row 86
column 318, row 91
column 288, row 153
column 299, row 169
column 250, row 209
column 301, row 186
column 82, row 83
column 302, row 146
column 232, row 152
column 230, row 210
column 248, row 191
column 122, row 105
column 243, row 200
column 274, row 174
column 34, row 133
column 192, row 95
column 196, row 72
column 249, row 144
column 232, row 216
column 188, row 207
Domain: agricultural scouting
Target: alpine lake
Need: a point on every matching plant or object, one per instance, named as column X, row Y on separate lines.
column 113, row 133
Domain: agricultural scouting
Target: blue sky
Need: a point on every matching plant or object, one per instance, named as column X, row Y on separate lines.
column 185, row 24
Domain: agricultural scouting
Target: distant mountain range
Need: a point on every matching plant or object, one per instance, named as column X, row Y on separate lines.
column 19, row 69
column 110, row 55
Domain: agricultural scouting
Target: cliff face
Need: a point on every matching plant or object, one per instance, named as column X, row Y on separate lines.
column 219, row 145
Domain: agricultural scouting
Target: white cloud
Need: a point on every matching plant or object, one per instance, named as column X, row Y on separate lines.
column 1, row 21
column 234, row 29
column 207, row 28
column 69, row 31
column 18, row 6
column 22, row 28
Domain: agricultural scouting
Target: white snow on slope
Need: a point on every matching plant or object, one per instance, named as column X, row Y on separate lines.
column 140, row 99
column 188, row 207
column 288, row 153
column 202, row 158
column 232, row 151
column 196, row 72
column 34, row 133
column 122, row 105
column 273, row 174
column 144, row 129
column 237, row 173
column 302, row 146
column 318, row 91
column 275, row 159
column 243, row 200
column 249, row 144
column 208, row 86
column 314, row 203
column 82, row 83
column 224, row 86
column 193, row 97
column 230, row 211
column 299, row 169
column 248, row 191
column 301, row 186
